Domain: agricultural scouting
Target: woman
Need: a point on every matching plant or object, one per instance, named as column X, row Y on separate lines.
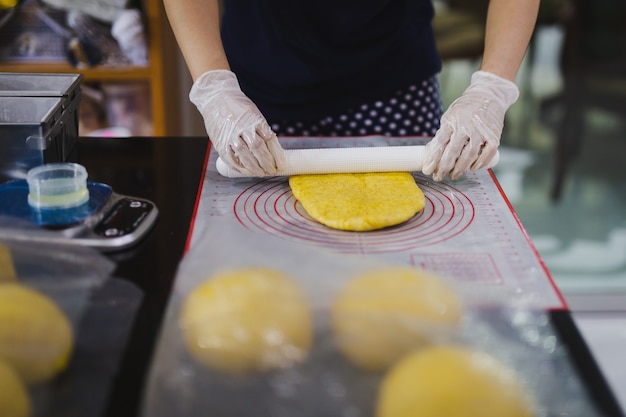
column 343, row 67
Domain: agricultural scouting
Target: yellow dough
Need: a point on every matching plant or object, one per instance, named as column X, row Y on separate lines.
column 382, row 315
column 452, row 381
column 36, row 338
column 246, row 320
column 7, row 270
column 359, row 202
column 14, row 399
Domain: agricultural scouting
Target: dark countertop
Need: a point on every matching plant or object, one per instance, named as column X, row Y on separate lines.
column 167, row 171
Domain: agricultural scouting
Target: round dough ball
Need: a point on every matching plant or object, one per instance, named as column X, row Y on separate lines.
column 246, row 320
column 452, row 381
column 14, row 399
column 382, row 315
column 36, row 338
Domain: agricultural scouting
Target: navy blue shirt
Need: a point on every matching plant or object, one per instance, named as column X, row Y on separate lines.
column 305, row 59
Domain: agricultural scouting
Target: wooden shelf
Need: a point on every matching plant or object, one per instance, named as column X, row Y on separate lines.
column 90, row 74
column 154, row 74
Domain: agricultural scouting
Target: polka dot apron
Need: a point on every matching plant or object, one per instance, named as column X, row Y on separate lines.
column 415, row 111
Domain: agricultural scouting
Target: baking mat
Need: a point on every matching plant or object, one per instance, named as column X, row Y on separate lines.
column 467, row 231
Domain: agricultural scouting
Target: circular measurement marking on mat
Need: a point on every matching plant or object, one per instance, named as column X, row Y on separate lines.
column 270, row 206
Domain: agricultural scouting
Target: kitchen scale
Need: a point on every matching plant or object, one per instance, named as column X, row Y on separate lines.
column 98, row 217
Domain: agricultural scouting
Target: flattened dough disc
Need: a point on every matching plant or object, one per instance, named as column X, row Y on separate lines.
column 359, row 202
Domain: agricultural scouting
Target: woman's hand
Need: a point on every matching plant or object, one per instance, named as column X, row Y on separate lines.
column 471, row 127
column 236, row 127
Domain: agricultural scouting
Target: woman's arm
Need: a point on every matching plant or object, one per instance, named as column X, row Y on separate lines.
column 470, row 130
column 510, row 24
column 234, row 124
column 196, row 26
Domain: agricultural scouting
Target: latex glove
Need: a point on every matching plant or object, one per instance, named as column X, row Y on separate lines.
column 471, row 127
column 236, row 127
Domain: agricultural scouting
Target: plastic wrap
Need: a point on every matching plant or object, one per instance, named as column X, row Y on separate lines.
column 78, row 282
column 68, row 275
column 326, row 383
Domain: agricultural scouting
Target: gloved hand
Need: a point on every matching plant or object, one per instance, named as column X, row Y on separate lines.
column 236, row 127
column 470, row 130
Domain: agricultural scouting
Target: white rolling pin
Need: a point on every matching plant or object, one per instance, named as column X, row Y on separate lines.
column 343, row 160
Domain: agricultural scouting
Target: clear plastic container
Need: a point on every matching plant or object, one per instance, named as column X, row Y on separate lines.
column 57, row 186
